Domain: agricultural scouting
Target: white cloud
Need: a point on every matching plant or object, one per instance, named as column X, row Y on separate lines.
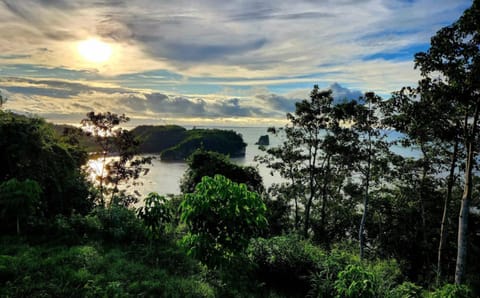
column 224, row 43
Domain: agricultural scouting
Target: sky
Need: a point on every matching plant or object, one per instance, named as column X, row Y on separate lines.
column 211, row 62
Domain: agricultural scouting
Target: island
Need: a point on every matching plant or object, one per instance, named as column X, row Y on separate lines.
column 263, row 141
column 227, row 142
column 172, row 142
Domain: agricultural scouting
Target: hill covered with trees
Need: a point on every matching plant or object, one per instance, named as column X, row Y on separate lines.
column 174, row 142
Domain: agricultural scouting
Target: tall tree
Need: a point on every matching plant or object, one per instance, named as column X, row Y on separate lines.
column 114, row 140
column 428, row 123
column 314, row 159
column 371, row 144
column 307, row 129
column 455, row 55
column 30, row 149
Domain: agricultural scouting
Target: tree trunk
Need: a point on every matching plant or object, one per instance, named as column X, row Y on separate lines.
column 18, row 225
column 324, row 197
column 443, row 227
column 361, row 231
column 466, row 198
column 421, row 193
column 463, row 219
column 306, row 225
column 295, row 197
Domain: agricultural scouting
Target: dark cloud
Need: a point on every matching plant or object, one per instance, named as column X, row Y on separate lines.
column 80, row 97
column 278, row 103
column 176, row 105
column 231, row 107
column 184, row 51
column 341, row 94
column 271, row 14
column 54, row 88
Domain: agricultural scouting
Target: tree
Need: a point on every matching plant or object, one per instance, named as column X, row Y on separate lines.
column 30, row 149
column 368, row 151
column 454, row 53
column 287, row 160
column 221, row 216
column 207, row 163
column 155, row 214
column 319, row 153
column 114, row 140
column 19, row 198
column 303, row 157
column 428, row 122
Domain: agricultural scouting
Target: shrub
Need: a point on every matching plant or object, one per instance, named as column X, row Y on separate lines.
column 119, row 224
column 19, row 198
column 155, row 214
column 451, row 291
column 221, row 216
column 285, row 262
column 406, row 290
column 355, row 281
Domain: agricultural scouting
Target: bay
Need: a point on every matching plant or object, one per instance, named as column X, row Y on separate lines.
column 164, row 177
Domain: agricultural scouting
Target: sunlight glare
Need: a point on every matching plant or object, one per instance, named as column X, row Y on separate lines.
column 94, row 50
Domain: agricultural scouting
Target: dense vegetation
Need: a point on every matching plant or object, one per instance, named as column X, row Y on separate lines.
column 177, row 143
column 351, row 219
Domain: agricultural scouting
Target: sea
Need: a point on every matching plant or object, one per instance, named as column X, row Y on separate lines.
column 164, row 177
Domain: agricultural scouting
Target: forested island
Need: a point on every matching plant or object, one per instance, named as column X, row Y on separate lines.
column 173, row 142
column 351, row 219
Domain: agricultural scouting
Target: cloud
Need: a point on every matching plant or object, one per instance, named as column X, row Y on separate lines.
column 218, row 39
column 49, row 97
column 341, row 94
column 173, row 59
column 56, row 99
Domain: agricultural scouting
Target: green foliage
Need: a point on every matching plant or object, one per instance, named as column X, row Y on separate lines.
column 29, row 149
column 157, row 138
column 19, row 198
column 119, row 224
column 155, row 214
column 355, row 281
column 221, row 216
column 222, row 141
column 92, row 271
column 451, row 291
column 207, row 163
column 284, row 263
column 406, row 290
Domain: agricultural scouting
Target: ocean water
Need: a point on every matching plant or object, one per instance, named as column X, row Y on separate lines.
column 164, row 177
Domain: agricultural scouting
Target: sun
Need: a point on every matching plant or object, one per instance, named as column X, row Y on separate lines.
column 94, row 50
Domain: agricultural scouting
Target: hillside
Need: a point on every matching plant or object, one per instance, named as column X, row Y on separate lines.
column 174, row 142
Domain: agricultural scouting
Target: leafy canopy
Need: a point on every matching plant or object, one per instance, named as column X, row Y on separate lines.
column 221, row 216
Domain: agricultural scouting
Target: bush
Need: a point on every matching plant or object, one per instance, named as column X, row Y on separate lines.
column 155, row 214
column 221, row 216
column 91, row 271
column 355, row 281
column 119, row 224
column 451, row 291
column 285, row 263
column 406, row 290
